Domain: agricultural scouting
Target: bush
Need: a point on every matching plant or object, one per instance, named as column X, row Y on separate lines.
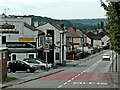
column 9, row 79
column 71, row 52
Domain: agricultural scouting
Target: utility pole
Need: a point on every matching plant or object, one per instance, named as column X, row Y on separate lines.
column 5, row 10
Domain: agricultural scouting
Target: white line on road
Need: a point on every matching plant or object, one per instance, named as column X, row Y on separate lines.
column 65, row 83
column 80, row 74
column 69, row 80
column 76, row 76
column 60, row 86
column 72, row 78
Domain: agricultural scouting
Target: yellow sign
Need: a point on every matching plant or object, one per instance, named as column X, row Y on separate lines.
column 26, row 39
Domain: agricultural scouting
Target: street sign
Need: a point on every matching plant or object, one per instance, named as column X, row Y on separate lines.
column 46, row 48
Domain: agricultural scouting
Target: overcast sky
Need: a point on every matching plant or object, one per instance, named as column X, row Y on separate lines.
column 56, row 9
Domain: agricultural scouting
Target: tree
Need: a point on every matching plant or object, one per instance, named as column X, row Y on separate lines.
column 98, row 26
column 102, row 24
column 113, row 25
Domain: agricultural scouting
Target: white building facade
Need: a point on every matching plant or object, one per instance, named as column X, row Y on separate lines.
column 17, row 34
column 57, row 42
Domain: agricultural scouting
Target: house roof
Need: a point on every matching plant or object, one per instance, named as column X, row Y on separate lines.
column 57, row 26
column 32, row 28
column 42, row 23
column 90, row 34
column 97, row 36
column 73, row 32
column 80, row 33
column 68, row 34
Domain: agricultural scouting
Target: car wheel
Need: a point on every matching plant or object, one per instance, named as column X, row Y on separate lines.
column 28, row 70
column 32, row 71
column 13, row 71
column 9, row 70
column 42, row 67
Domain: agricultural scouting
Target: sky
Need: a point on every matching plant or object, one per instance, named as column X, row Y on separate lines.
column 56, row 9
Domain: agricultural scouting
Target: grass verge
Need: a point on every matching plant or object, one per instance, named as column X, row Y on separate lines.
column 7, row 79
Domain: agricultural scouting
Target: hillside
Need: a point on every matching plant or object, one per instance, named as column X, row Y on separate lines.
column 89, row 21
column 55, row 21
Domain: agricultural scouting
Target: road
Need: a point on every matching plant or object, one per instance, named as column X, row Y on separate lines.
column 92, row 73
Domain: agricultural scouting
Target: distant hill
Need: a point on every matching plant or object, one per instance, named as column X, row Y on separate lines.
column 67, row 23
column 88, row 21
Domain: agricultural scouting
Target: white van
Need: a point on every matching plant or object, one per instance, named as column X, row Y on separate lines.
column 106, row 57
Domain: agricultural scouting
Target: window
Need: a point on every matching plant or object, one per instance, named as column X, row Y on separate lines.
column 0, row 55
column 3, row 55
column 14, row 57
column 102, row 43
column 31, row 55
column 57, row 56
column 3, row 39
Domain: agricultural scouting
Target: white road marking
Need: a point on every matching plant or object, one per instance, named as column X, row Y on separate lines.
column 65, row 83
column 72, row 78
column 60, row 86
column 80, row 82
column 92, row 65
column 76, row 76
column 90, row 82
column 98, row 83
column 84, row 82
column 69, row 80
column 80, row 74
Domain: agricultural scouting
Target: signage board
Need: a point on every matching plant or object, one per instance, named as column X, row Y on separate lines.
column 49, row 40
column 46, row 48
column 21, row 44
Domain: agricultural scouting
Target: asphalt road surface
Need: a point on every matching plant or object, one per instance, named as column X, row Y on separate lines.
column 90, row 74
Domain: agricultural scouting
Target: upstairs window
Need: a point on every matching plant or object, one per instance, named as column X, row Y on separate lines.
column 3, row 39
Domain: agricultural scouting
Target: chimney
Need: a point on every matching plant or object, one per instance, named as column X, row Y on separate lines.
column 36, row 24
column 62, row 26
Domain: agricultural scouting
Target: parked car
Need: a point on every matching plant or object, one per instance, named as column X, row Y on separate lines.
column 38, row 63
column 106, row 57
column 19, row 65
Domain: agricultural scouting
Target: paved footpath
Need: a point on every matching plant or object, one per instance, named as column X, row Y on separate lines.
column 115, row 76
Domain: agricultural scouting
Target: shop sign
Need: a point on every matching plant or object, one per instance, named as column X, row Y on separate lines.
column 21, row 44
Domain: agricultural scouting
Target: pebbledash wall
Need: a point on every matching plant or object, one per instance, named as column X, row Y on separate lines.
column 17, row 34
column 3, row 62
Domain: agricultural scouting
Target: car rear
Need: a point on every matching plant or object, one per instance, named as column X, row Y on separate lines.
column 106, row 57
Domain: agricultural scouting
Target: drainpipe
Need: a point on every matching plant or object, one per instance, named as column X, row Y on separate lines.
column 60, row 47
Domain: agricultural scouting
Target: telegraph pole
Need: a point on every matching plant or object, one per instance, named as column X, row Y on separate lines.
column 5, row 10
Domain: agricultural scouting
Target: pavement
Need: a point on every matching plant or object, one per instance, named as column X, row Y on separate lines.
column 39, row 74
column 115, row 76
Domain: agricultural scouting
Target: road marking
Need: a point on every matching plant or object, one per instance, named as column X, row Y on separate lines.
column 65, row 83
column 80, row 74
column 83, row 82
column 60, row 86
column 69, row 80
column 72, row 78
column 89, row 83
column 98, row 83
column 92, row 65
column 76, row 76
